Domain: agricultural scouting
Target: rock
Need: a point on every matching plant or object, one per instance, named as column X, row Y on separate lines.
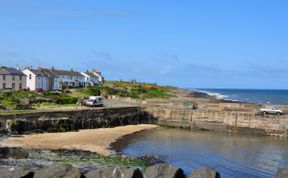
column 24, row 101
column 205, row 172
column 282, row 173
column 7, row 172
column 13, row 152
column 58, row 171
column 164, row 171
column 115, row 172
column 2, row 107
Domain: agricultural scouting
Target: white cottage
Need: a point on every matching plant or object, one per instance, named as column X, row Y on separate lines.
column 69, row 78
column 41, row 78
column 91, row 79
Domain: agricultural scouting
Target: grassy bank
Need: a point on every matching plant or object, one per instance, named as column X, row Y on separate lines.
column 27, row 101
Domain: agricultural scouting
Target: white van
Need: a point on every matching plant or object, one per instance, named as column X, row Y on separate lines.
column 94, row 101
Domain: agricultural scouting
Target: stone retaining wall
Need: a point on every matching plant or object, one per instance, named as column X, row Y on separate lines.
column 110, row 117
column 222, row 121
column 74, row 120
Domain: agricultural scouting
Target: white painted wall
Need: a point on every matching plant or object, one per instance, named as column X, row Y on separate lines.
column 30, row 82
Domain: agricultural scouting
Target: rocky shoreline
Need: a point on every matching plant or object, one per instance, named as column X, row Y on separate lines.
column 19, row 162
column 16, row 162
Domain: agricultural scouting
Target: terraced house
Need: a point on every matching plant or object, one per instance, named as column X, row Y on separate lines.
column 12, row 78
column 53, row 79
column 41, row 79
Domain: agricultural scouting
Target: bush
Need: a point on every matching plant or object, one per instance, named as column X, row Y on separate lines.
column 67, row 100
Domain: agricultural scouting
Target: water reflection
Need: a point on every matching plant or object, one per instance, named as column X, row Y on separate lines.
column 232, row 155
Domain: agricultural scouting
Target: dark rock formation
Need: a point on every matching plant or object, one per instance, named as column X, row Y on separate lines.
column 58, row 171
column 7, row 172
column 115, row 172
column 205, row 172
column 13, row 152
column 282, row 173
column 164, row 171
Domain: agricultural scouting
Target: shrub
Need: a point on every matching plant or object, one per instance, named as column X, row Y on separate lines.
column 67, row 100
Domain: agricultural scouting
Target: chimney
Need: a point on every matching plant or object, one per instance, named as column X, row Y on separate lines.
column 17, row 67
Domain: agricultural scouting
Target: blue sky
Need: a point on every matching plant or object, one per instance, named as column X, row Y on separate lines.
column 188, row 43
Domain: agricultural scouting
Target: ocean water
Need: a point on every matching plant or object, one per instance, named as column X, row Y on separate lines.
column 277, row 97
column 234, row 156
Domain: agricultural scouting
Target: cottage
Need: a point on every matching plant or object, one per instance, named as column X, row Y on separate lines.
column 11, row 78
column 99, row 75
column 42, row 79
column 91, row 79
column 69, row 78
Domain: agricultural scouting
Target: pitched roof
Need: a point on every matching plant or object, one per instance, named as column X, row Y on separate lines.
column 90, row 74
column 42, row 72
column 66, row 72
column 10, row 71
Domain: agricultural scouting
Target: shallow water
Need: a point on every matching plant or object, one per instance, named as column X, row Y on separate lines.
column 232, row 155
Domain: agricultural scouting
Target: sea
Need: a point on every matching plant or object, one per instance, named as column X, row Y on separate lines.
column 259, row 96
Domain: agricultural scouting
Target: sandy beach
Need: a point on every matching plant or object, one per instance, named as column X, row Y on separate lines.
column 96, row 140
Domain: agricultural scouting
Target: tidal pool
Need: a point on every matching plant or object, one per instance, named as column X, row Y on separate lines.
column 233, row 155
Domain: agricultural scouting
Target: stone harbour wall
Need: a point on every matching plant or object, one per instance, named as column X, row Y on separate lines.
column 74, row 120
column 241, row 122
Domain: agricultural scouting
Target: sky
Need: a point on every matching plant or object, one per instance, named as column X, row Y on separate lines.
column 186, row 43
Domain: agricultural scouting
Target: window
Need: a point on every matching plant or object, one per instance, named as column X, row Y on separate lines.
column 4, row 86
column 20, row 86
column 30, row 76
column 4, row 77
column 13, row 77
column 13, row 85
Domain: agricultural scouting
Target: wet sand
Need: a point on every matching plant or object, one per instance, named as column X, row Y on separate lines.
column 95, row 140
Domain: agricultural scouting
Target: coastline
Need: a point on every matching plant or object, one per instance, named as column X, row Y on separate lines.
column 95, row 140
column 118, row 145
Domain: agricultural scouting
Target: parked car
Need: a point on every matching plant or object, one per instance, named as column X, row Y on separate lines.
column 271, row 110
column 94, row 101
column 40, row 90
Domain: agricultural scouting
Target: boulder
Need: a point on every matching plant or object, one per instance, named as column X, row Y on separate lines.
column 115, row 172
column 58, row 171
column 282, row 173
column 11, row 172
column 13, row 152
column 205, row 172
column 164, row 171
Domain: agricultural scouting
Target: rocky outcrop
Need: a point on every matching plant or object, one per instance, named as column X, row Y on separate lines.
column 164, row 171
column 13, row 152
column 282, row 173
column 205, row 172
column 115, row 172
column 58, row 171
column 7, row 172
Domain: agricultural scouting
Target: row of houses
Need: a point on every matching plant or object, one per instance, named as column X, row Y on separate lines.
column 47, row 78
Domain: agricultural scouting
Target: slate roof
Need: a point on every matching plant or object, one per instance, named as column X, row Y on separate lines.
column 10, row 71
column 66, row 72
column 43, row 72
column 91, row 74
